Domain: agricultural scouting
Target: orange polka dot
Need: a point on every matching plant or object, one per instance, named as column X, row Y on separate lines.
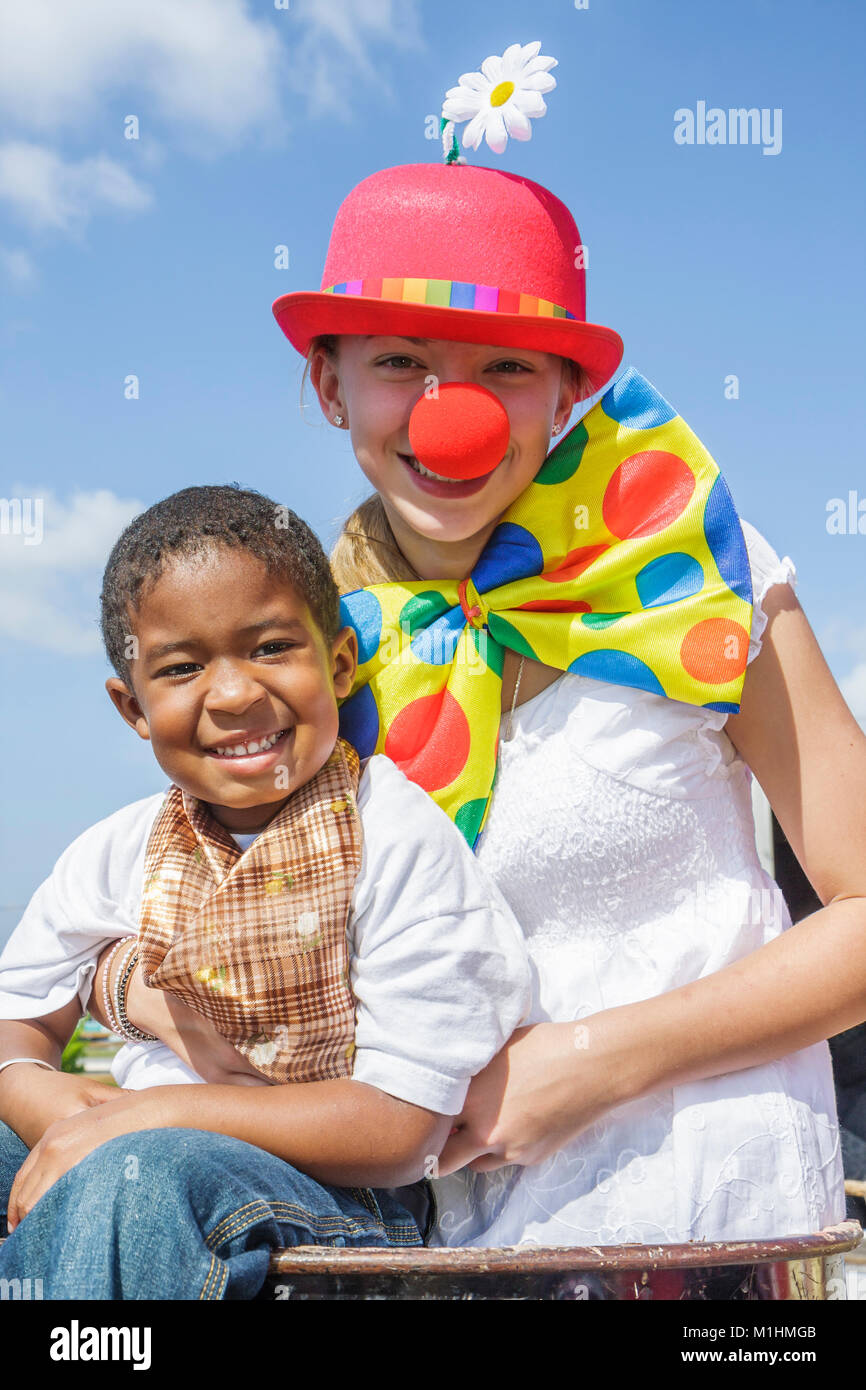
column 646, row 493
column 715, row 650
column 429, row 740
column 574, row 563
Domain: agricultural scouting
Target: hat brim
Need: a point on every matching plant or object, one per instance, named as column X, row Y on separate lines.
column 305, row 314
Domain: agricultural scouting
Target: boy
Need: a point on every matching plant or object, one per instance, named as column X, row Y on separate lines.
column 221, row 619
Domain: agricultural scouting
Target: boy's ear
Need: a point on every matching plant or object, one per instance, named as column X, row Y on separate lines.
column 130, row 710
column 344, row 652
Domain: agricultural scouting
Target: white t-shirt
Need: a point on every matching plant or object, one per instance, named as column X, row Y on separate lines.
column 438, row 964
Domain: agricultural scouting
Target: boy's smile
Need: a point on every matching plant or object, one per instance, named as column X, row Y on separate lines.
column 235, row 684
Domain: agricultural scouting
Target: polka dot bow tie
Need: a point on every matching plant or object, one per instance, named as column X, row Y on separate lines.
column 623, row 561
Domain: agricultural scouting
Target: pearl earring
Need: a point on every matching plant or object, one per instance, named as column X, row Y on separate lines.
column 338, row 419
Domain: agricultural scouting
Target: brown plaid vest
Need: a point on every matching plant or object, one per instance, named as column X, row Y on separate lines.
column 256, row 940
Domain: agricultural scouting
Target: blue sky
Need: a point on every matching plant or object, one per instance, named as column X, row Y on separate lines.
column 155, row 258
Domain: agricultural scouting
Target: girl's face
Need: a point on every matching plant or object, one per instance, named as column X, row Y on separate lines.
column 374, row 382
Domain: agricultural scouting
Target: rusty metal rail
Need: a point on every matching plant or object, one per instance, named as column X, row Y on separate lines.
column 792, row 1268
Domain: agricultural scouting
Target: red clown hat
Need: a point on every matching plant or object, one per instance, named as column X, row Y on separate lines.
column 459, row 252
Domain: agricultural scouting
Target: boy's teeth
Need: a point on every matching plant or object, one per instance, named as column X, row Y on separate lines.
column 241, row 750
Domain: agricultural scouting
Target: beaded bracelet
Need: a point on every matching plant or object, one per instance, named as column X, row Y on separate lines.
column 113, row 1026
column 128, row 1030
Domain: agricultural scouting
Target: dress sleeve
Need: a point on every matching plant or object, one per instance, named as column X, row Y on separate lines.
column 767, row 569
column 439, row 965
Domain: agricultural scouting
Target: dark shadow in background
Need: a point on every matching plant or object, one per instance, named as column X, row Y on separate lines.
column 848, row 1049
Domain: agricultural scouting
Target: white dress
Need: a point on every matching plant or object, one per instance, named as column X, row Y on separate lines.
column 621, row 833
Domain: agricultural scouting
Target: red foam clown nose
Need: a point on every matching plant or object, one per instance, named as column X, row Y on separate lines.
column 462, row 431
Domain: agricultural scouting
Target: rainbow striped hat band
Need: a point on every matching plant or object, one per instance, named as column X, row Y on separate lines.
column 453, row 294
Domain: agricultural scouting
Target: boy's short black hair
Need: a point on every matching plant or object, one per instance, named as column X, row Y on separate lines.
column 188, row 523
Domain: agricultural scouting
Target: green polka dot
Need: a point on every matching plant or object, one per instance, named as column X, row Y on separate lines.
column 601, row 619
column 563, row 462
column 488, row 649
column 421, row 610
column 508, row 636
column 469, row 817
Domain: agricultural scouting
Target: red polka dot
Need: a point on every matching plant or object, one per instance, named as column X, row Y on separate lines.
column 715, row 650
column 429, row 741
column 574, row 563
column 646, row 493
column 557, row 605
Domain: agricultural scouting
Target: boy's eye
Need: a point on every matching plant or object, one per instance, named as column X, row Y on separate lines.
column 275, row 647
column 182, row 668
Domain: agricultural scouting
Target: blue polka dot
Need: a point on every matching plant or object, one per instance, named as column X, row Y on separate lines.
column 668, row 578
column 618, row 668
column 511, row 553
column 725, row 539
column 437, row 643
column 632, row 401
column 362, row 611
column 724, row 705
column 359, row 721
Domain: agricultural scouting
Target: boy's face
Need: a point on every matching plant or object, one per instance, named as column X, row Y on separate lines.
column 230, row 656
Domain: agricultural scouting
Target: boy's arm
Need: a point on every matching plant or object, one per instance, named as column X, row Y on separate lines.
column 31, row 1097
column 341, row 1132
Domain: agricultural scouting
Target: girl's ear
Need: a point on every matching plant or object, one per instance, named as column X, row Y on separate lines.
column 326, row 384
column 125, row 702
column 344, row 653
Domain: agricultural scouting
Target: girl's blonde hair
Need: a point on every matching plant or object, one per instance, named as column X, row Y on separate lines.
column 366, row 551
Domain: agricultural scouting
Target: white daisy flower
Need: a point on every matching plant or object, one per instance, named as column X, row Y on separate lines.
column 500, row 100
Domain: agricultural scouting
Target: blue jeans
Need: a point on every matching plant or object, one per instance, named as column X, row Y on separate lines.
column 182, row 1214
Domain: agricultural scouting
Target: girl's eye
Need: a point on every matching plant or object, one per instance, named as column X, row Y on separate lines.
column 513, row 368
column 399, row 361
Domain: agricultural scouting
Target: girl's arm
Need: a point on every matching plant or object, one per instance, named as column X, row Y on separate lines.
column 796, row 733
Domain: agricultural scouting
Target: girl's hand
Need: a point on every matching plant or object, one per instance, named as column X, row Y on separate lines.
column 33, row 1098
column 189, row 1034
column 67, row 1141
column 549, row 1082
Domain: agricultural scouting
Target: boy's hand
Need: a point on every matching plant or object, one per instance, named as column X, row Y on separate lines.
column 32, row 1098
column 67, row 1141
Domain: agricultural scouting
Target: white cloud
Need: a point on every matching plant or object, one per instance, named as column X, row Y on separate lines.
column 52, row 554
column 333, row 49
column 50, row 193
column 205, row 64
column 202, row 75
column 17, row 266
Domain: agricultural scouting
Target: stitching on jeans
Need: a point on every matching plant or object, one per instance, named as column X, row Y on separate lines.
column 225, row 1274
column 323, row 1227
column 203, row 1293
column 253, row 1211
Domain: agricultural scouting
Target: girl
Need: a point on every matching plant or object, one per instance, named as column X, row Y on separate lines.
column 673, row 1083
